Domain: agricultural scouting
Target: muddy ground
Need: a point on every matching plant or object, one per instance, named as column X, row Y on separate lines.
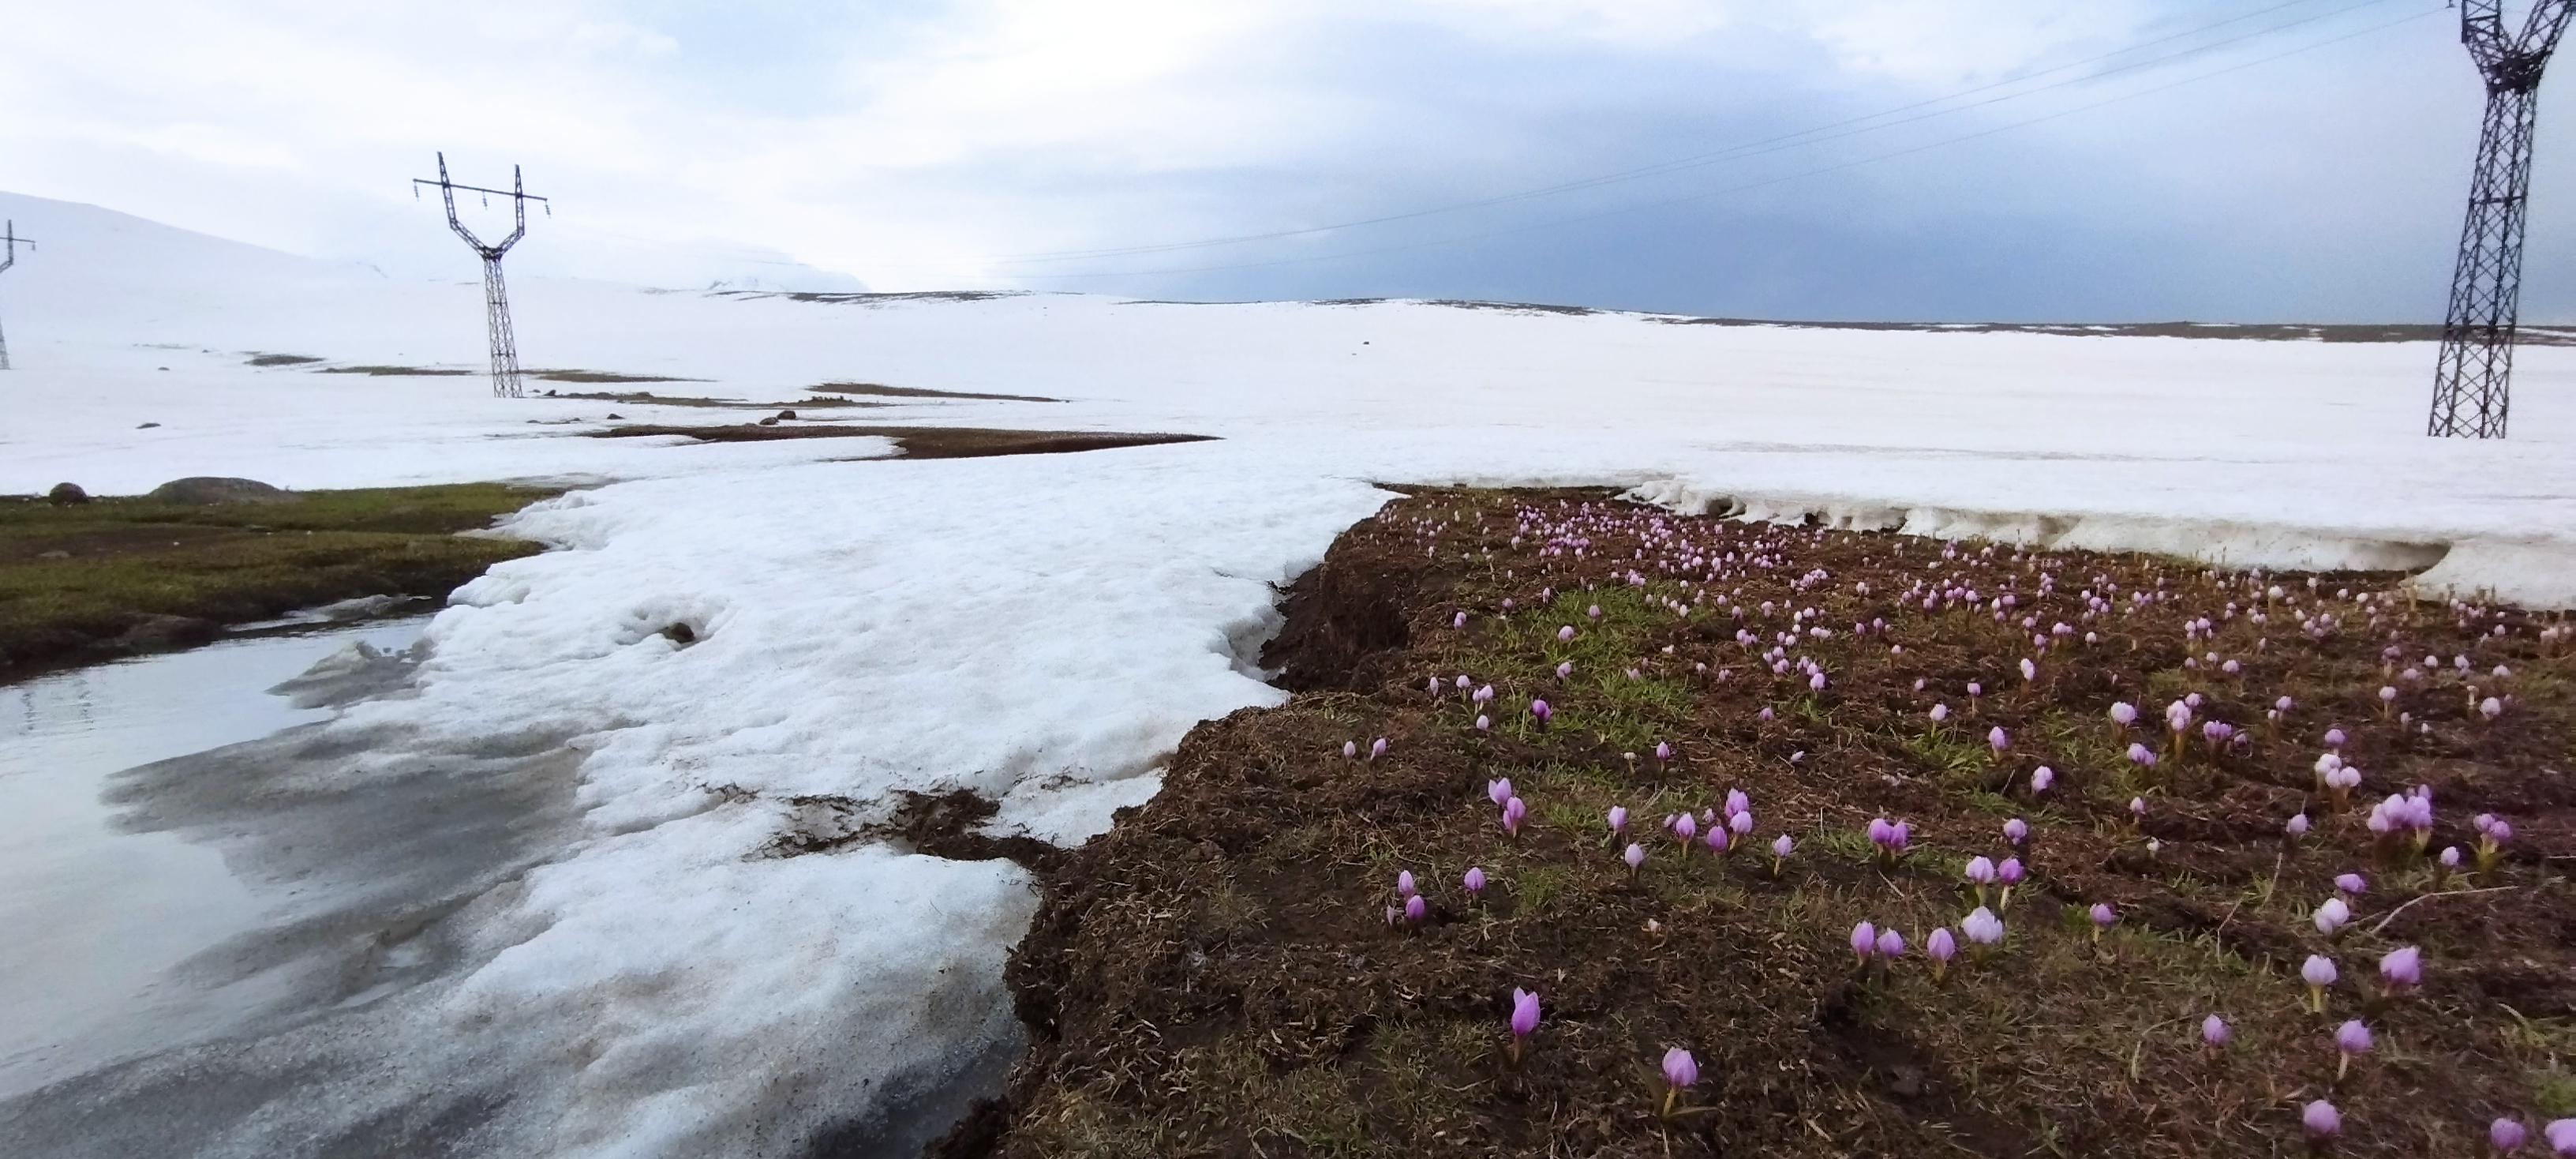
column 1230, row 971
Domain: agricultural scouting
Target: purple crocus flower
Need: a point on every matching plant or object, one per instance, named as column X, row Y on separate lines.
column 2334, row 738
column 2505, row 1136
column 2331, row 914
column 1404, row 884
column 1939, row 713
column 1998, row 740
column 1484, row 723
column 1499, row 791
column 2041, row 778
column 1864, row 940
column 1377, row 748
column 2319, row 973
column 2123, row 713
column 1740, row 823
column 1737, row 802
column 1565, row 670
column 2322, row 1120
column 1350, row 749
column 1475, row 881
column 2351, row 1038
column 1416, row 909
column 1513, row 811
column 1717, row 840
column 1663, row 751
column 2561, row 1135
column 1681, row 1072
column 2296, row 827
column 2214, row 1031
column 1685, row 827
column 1891, row 945
column 2142, row 756
column 1982, row 927
column 1618, row 819
column 1940, row 947
column 2350, row 883
column 2402, row 969
column 2103, row 916
column 2016, row 831
column 1524, row 1016
column 1565, row 635
column 1539, row 709
column 1635, row 856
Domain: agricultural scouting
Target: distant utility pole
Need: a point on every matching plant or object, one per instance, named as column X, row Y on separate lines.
column 2471, row 385
column 496, row 297
column 8, row 258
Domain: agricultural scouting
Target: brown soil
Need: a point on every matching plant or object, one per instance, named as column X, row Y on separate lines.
column 648, row 398
column 870, row 388
column 922, row 442
column 1217, row 975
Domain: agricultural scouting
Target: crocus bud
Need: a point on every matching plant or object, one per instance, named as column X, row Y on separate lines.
column 1350, row 748
column 1864, row 940
column 1940, row 947
column 2319, row 973
column 1686, row 827
column 2123, row 713
column 1737, row 802
column 1891, row 944
column 1635, row 856
column 2041, row 778
column 1618, row 819
column 2561, row 1136
column 1377, row 748
column 2350, row 883
column 1404, row 884
column 1483, row 723
column 1499, row 791
column 1539, row 709
column 2296, row 827
column 2351, row 1038
column 1565, row 670
column 1681, row 1072
column 1663, row 751
column 1513, row 811
column 1998, row 740
column 1416, row 909
column 2505, row 1136
column 2016, row 831
column 2214, row 1031
column 2103, row 916
column 1565, row 635
column 1524, row 1013
column 2402, row 969
column 2322, row 1120
column 1475, row 880
column 1939, row 713
column 1982, row 927
column 2334, row 738
column 2331, row 915
column 1741, row 824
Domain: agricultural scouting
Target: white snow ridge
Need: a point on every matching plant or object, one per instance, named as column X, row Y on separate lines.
column 534, row 901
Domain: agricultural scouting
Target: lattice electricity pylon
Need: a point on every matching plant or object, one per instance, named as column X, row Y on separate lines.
column 496, row 297
column 8, row 258
column 2472, row 384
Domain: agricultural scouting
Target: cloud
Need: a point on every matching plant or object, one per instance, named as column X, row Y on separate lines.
column 939, row 142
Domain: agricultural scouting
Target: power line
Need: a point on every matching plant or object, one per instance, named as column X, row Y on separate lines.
column 1798, row 139
column 8, row 258
column 1549, row 223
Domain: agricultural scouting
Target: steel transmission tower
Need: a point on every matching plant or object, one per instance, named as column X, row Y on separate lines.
column 496, row 296
column 2471, row 386
column 8, row 258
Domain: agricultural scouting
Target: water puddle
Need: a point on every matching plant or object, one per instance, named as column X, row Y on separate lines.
column 97, row 918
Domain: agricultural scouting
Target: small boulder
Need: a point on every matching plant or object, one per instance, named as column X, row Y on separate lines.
column 787, row 414
column 147, row 426
column 771, row 421
column 208, row 490
column 158, row 632
column 66, row 494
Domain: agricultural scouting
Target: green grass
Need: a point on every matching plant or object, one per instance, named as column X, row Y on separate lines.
column 73, row 577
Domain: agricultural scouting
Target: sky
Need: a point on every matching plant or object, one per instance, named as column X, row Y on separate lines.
column 1940, row 160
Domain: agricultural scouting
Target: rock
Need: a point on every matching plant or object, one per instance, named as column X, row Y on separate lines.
column 147, row 426
column 168, row 632
column 66, row 494
column 54, row 554
column 771, row 421
column 787, row 414
column 207, row 490
column 617, row 416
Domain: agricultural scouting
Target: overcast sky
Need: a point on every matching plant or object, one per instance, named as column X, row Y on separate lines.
column 2303, row 160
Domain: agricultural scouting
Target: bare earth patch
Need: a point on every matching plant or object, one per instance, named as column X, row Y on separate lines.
column 1232, row 971
column 870, row 388
column 921, row 442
